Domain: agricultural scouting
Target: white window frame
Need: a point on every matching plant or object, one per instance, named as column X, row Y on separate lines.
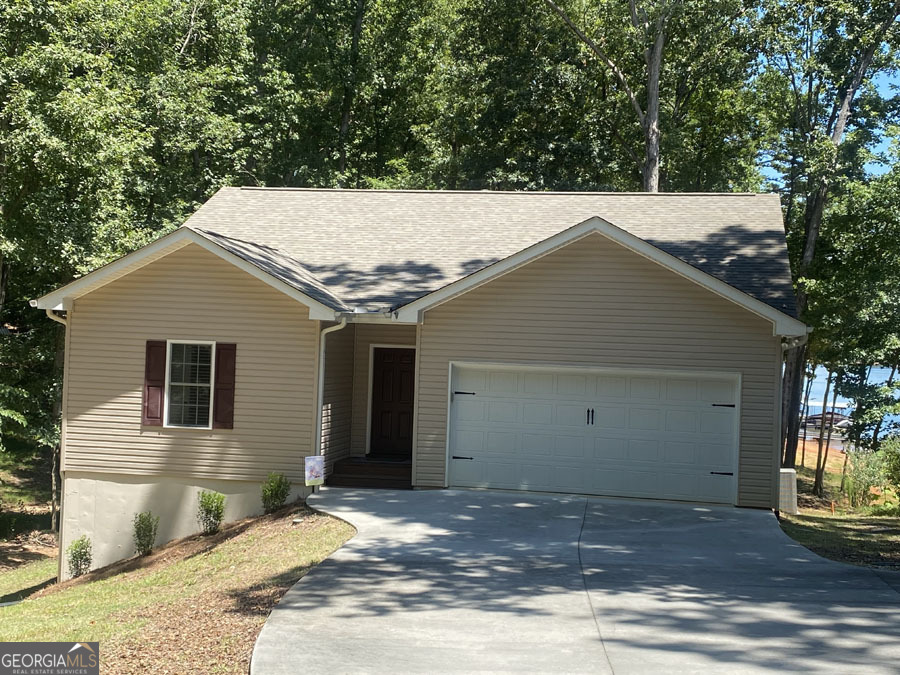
column 212, row 383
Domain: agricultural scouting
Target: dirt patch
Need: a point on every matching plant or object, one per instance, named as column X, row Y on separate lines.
column 26, row 548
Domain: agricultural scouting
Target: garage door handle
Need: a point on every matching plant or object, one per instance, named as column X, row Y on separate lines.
column 723, row 405
column 722, row 473
column 458, row 457
column 467, row 393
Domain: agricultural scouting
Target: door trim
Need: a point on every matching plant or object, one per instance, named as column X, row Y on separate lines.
column 734, row 376
column 371, row 368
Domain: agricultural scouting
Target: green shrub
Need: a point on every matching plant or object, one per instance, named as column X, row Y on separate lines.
column 145, row 527
column 891, row 457
column 866, row 471
column 80, row 556
column 210, row 511
column 275, row 492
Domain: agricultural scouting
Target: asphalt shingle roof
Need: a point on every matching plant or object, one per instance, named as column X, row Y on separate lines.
column 374, row 249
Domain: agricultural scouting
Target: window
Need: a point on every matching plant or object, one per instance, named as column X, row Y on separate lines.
column 189, row 378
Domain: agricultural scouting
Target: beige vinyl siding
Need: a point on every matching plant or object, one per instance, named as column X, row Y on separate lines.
column 190, row 294
column 337, row 401
column 368, row 334
column 596, row 303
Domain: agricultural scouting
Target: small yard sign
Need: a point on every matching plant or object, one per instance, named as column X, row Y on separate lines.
column 315, row 470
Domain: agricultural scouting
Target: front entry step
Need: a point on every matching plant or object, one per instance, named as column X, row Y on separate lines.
column 364, row 472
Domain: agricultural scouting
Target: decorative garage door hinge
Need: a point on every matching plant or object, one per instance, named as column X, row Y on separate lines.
column 723, row 405
column 461, row 393
column 722, row 473
column 458, row 457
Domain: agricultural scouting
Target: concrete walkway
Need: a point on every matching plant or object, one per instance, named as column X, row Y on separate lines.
column 464, row 581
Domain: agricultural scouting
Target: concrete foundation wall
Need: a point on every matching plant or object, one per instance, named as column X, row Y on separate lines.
column 102, row 506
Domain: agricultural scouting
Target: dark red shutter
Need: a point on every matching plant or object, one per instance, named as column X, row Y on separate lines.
column 154, row 383
column 223, row 400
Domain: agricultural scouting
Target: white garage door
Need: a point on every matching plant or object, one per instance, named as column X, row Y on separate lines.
column 633, row 434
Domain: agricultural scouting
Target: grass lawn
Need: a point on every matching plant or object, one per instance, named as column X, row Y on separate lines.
column 24, row 474
column 196, row 605
column 865, row 536
column 24, row 491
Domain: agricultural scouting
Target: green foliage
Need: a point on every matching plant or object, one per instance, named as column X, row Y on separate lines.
column 210, row 510
column 80, row 556
column 890, row 450
column 119, row 117
column 866, row 472
column 275, row 492
column 145, row 527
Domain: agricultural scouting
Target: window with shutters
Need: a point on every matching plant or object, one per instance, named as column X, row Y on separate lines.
column 189, row 384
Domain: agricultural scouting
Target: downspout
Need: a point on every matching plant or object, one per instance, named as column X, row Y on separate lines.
column 320, row 388
column 56, row 317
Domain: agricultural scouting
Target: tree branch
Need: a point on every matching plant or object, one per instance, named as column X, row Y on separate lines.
column 602, row 56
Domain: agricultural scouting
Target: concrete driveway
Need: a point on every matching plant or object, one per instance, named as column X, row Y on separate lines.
column 465, row 581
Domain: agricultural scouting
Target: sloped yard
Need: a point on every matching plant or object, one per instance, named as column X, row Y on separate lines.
column 196, row 605
column 867, row 536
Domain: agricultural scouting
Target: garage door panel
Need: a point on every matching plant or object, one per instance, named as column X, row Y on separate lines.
column 539, row 383
column 503, row 382
column 682, row 421
column 716, row 422
column 644, row 388
column 677, row 452
column 467, row 440
column 610, row 448
column 503, row 411
column 681, row 390
column 571, row 385
column 537, row 413
column 570, row 446
column 537, row 444
column 642, row 450
column 612, row 386
column 652, row 436
column 471, row 379
column 503, row 442
column 646, row 419
column 469, row 410
column 571, row 415
column 712, row 391
column 610, row 417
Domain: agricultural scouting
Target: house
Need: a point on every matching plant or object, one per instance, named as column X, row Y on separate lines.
column 609, row 344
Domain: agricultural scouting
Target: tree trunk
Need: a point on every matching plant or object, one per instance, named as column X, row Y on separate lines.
column 844, row 468
column 793, row 380
column 58, row 362
column 820, row 476
column 349, row 91
column 890, row 383
column 54, row 489
column 4, row 279
column 817, row 484
column 805, row 411
column 651, row 118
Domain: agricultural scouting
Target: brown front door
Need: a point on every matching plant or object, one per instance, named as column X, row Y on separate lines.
column 393, row 375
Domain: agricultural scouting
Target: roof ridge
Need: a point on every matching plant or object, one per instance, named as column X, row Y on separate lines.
column 502, row 192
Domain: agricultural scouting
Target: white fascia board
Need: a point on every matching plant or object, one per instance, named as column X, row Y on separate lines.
column 782, row 324
column 62, row 298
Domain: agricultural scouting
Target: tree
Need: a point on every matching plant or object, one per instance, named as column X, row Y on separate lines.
column 819, row 58
column 634, row 49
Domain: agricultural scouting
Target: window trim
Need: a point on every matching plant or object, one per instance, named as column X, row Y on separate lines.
column 212, row 383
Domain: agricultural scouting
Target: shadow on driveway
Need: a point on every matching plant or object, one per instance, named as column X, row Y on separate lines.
column 490, row 581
